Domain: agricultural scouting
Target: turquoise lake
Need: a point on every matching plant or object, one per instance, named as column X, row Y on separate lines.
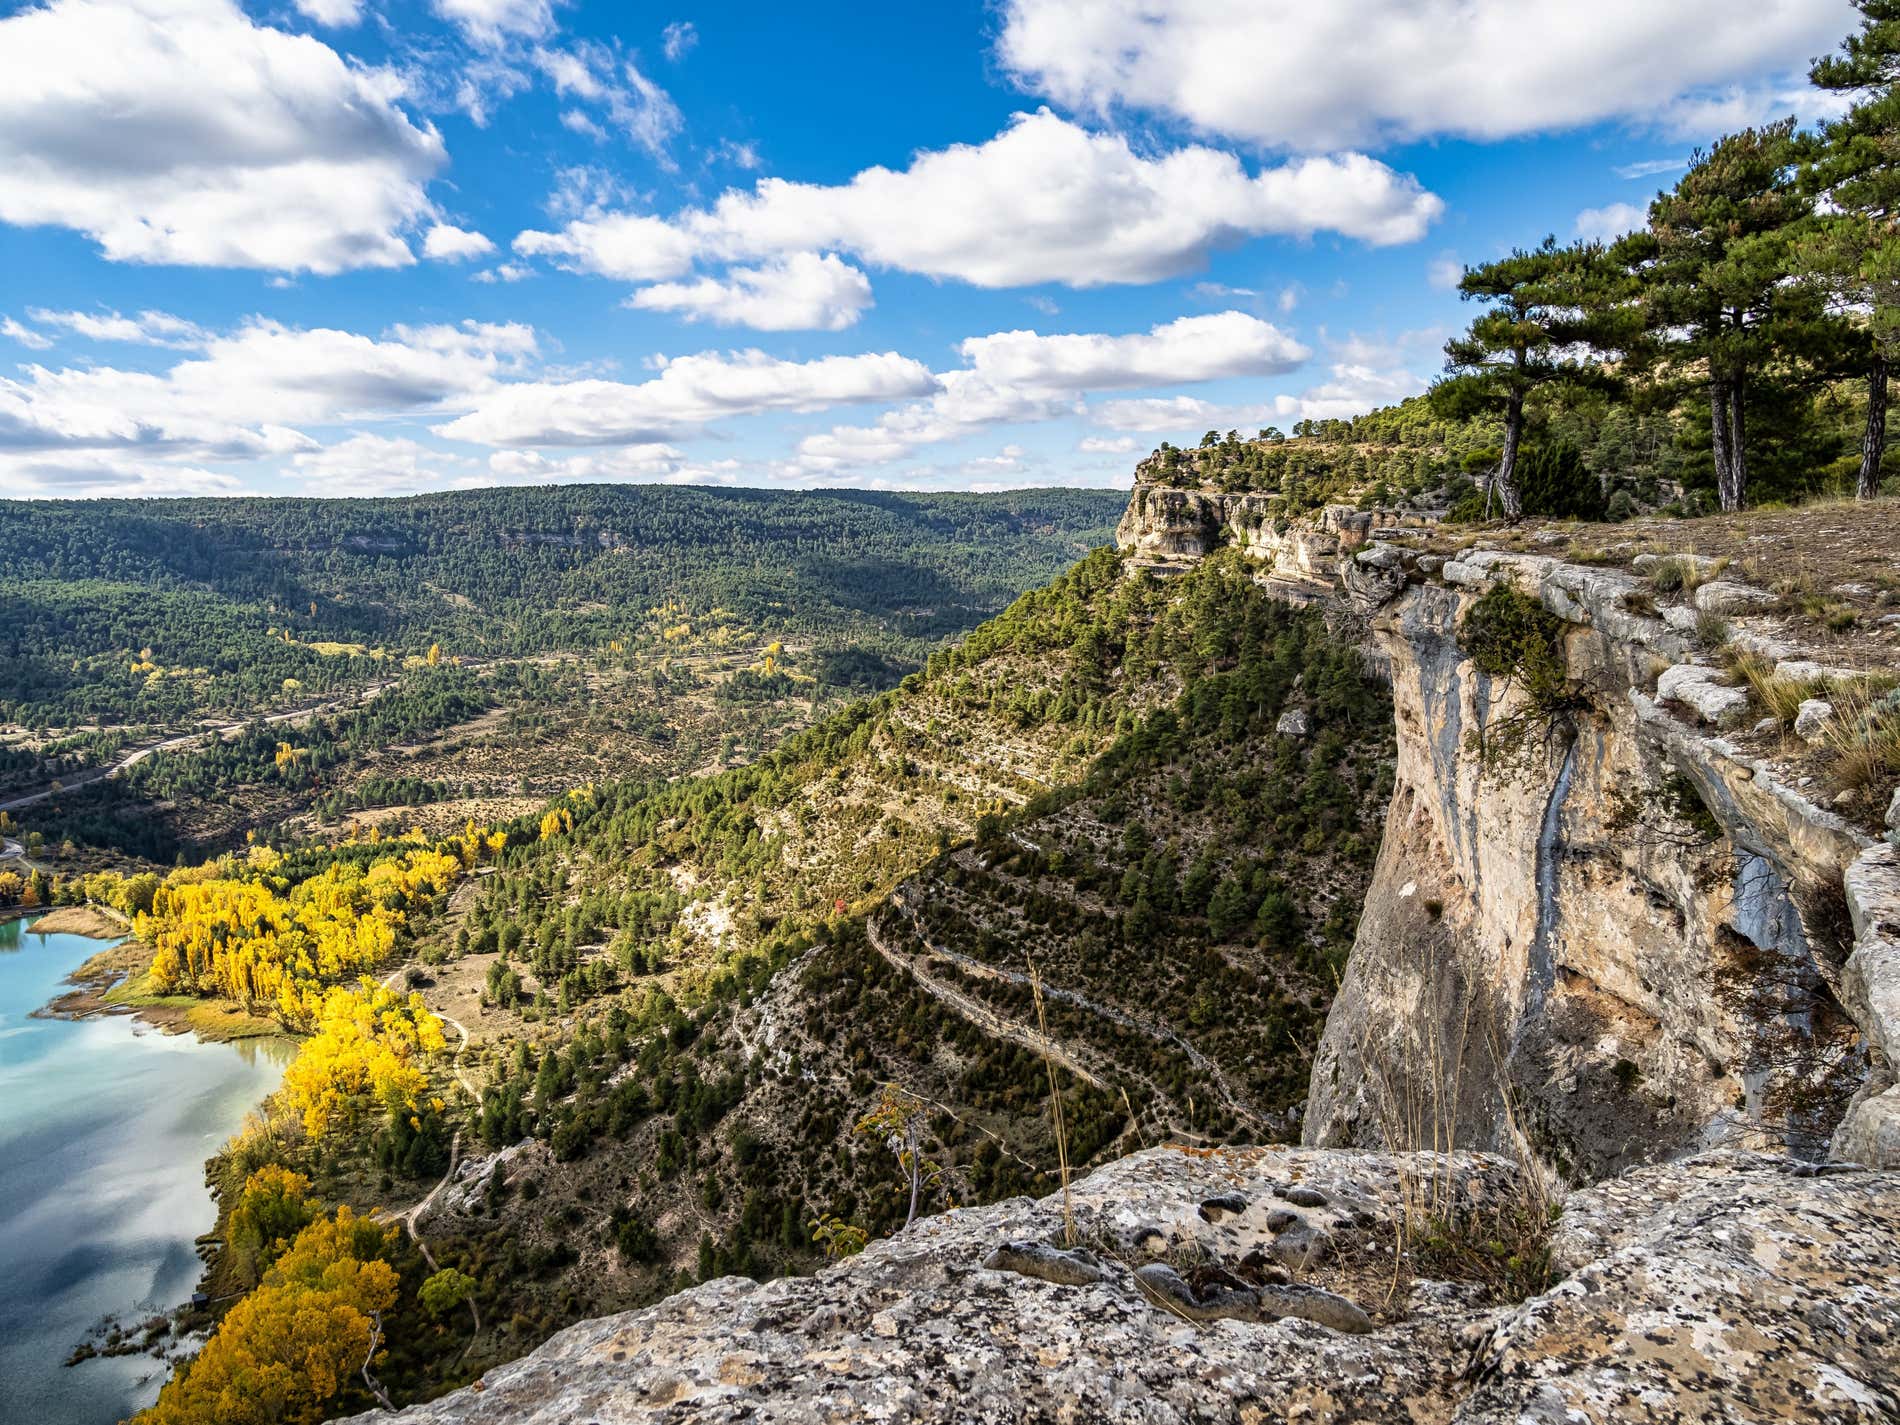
column 105, row 1125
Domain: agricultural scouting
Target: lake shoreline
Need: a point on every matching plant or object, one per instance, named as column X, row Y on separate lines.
column 114, row 1136
column 111, row 982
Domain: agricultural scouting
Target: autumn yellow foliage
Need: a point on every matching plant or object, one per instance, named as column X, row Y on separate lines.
column 250, row 939
column 365, row 1053
column 284, row 1353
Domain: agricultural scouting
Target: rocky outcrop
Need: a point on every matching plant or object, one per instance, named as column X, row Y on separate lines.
column 1605, row 933
column 1726, row 1288
column 1619, row 943
column 1166, row 528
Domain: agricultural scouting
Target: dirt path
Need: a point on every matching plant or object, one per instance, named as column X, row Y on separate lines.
column 188, row 739
column 1230, row 1098
column 980, row 1014
column 410, row 1216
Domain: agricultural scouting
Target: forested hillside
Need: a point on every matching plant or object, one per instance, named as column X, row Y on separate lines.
column 147, row 610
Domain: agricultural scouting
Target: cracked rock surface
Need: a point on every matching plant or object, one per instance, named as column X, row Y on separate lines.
column 1730, row 1287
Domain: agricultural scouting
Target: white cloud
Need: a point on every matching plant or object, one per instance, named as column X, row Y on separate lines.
column 678, row 40
column 803, row 292
column 623, row 245
column 504, row 272
column 1607, row 223
column 1081, row 208
column 178, row 131
column 146, row 329
column 593, row 73
column 247, row 391
column 1290, row 74
column 631, row 462
column 1023, row 376
column 1650, row 167
column 25, row 336
column 338, row 14
column 1185, row 413
column 367, row 464
column 490, row 22
column 689, row 393
column 1187, row 349
column 72, row 475
column 445, row 243
column 1106, row 445
column 1354, row 389
column 1444, row 272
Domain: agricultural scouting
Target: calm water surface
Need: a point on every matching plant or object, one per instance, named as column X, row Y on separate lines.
column 105, row 1125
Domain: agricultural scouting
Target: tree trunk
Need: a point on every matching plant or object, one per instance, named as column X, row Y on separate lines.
column 1723, row 433
column 1507, row 463
column 1738, row 441
column 1873, row 442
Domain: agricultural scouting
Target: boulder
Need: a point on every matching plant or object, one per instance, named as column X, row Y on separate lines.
column 1724, row 596
column 1812, row 719
column 1294, row 723
column 1702, row 690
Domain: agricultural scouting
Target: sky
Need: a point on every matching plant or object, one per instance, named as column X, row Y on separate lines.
column 378, row 247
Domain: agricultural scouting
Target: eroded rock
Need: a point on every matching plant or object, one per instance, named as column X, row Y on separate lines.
column 1723, row 1289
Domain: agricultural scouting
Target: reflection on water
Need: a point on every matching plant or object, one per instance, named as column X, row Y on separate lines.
column 105, row 1126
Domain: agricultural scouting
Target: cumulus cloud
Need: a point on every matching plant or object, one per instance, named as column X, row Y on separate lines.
column 678, row 40
column 491, row 22
column 148, row 328
column 1187, row 349
column 689, row 393
column 1043, row 201
column 247, row 391
column 72, row 475
column 1444, row 272
column 629, row 462
column 1023, row 376
column 177, row 131
column 445, row 243
column 370, row 464
column 1165, row 413
column 1106, row 445
column 338, row 14
column 803, row 292
column 1289, row 74
column 1607, row 223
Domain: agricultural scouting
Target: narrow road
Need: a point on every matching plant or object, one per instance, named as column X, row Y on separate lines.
column 217, row 730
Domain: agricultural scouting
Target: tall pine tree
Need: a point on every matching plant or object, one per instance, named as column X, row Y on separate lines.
column 1542, row 308
column 1713, row 270
column 1853, row 254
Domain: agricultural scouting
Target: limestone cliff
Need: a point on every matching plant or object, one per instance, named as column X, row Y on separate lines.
column 1629, row 940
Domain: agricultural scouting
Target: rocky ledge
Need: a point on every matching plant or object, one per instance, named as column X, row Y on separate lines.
column 1726, row 1287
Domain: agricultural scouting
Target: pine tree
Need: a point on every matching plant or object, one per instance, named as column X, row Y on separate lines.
column 1713, row 267
column 1854, row 252
column 1542, row 306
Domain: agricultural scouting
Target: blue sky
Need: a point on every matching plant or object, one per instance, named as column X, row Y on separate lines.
column 381, row 246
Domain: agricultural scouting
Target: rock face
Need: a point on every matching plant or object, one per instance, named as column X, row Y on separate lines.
column 1725, row 1288
column 1623, row 944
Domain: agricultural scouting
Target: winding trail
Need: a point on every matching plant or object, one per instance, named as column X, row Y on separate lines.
column 216, row 730
column 413, row 1214
column 1230, row 1097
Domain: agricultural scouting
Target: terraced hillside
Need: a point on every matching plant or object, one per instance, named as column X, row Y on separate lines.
column 686, row 997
